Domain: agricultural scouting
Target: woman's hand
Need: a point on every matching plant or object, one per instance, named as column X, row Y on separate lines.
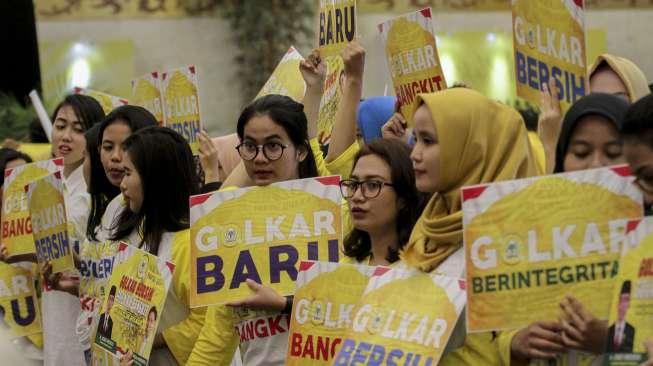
column 4, row 253
column 209, row 158
column 353, row 57
column 395, row 128
column 263, row 298
column 313, row 70
column 540, row 340
column 59, row 281
column 581, row 330
column 549, row 122
column 127, row 359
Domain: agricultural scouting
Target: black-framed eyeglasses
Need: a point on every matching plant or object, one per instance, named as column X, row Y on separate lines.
column 271, row 150
column 369, row 188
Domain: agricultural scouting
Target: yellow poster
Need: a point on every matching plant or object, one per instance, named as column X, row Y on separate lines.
column 336, row 26
column 404, row 317
column 631, row 312
column 181, row 101
column 16, row 222
column 325, row 301
column 412, row 57
column 286, row 79
column 18, row 300
column 146, row 92
column 96, row 261
column 549, row 42
column 330, row 98
column 261, row 233
column 49, row 222
column 107, row 101
column 531, row 242
column 133, row 306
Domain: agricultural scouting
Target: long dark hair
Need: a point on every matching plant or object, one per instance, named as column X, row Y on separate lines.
column 98, row 186
column 87, row 109
column 397, row 155
column 164, row 163
column 288, row 114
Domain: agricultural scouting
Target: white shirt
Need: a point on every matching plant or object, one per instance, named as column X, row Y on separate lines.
column 60, row 310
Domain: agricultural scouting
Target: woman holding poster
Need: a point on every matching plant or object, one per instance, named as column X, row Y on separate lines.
column 274, row 132
column 489, row 143
column 160, row 227
column 71, row 119
column 589, row 139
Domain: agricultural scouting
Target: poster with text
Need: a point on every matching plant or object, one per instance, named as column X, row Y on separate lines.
column 530, row 242
column 333, row 84
column 325, row 301
column 549, row 42
column 336, row 26
column 631, row 313
column 16, row 221
column 261, row 233
column 412, row 57
column 181, row 102
column 404, row 317
column 45, row 199
column 134, row 303
column 19, row 304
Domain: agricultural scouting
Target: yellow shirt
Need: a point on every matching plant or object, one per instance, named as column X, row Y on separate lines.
column 342, row 165
column 182, row 336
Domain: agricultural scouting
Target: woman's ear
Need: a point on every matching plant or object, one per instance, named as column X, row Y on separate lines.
column 302, row 152
column 401, row 203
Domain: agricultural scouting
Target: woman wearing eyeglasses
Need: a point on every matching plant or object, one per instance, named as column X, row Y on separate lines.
column 274, row 147
column 383, row 201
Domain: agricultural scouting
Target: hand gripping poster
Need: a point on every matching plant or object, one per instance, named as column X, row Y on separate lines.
column 107, row 101
column 531, row 242
column 16, row 222
column 181, row 102
column 133, row 305
column 631, row 311
column 286, row 79
column 49, row 222
column 405, row 317
column 549, row 42
column 146, row 92
column 325, row 301
column 261, row 233
column 19, row 305
column 412, row 56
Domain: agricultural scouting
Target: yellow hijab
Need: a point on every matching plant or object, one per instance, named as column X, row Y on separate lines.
column 480, row 141
column 631, row 75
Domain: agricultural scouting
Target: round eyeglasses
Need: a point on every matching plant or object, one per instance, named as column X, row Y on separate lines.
column 271, row 150
column 369, row 188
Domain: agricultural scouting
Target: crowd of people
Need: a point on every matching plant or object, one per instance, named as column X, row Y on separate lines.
column 128, row 179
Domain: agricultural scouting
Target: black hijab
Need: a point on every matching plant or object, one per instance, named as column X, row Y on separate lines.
column 608, row 106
